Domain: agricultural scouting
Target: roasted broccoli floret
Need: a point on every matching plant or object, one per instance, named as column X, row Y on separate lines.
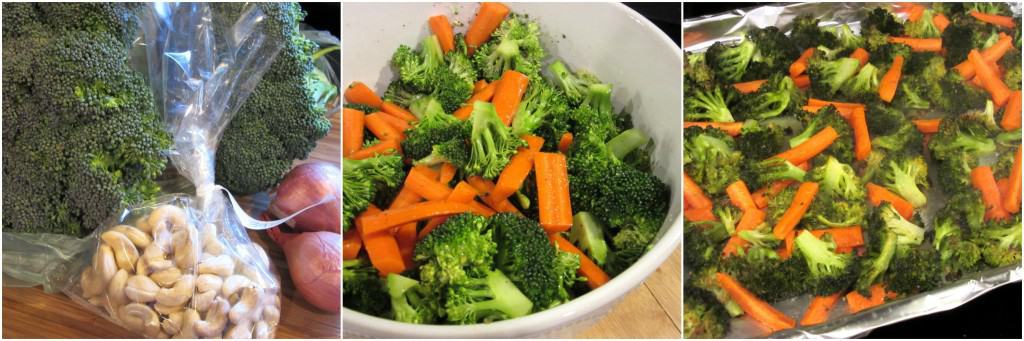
column 711, row 158
column 704, row 242
column 962, row 134
column 710, row 104
column 845, row 37
column 491, row 297
column 907, row 233
column 958, row 255
column 841, row 197
column 410, row 302
column 515, row 45
column 806, row 33
column 729, row 61
column 914, row 270
column 956, row 96
column 827, row 76
column 963, row 34
column 924, row 27
column 763, row 272
column 703, row 316
column 864, row 86
column 527, row 257
column 363, row 178
column 830, row 272
column 774, row 53
column 761, row 141
column 767, row 171
column 1000, row 242
column 906, row 174
column 882, row 21
column 772, row 99
column 842, row 147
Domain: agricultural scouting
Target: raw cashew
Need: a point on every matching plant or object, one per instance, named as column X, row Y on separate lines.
column 124, row 250
column 115, row 290
column 216, row 319
column 141, row 289
column 262, row 330
column 188, row 330
column 139, row 238
column 163, row 220
column 272, row 312
column 92, row 284
column 233, row 284
column 166, row 309
column 240, row 331
column 177, row 295
column 222, row 266
column 143, row 224
column 255, row 275
column 183, row 239
column 172, row 324
column 212, row 244
column 207, row 282
column 203, row 301
column 140, row 318
column 247, row 308
column 166, row 278
column 104, row 264
column 141, row 267
column 156, row 258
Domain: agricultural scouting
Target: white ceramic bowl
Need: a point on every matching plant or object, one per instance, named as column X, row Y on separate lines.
column 618, row 45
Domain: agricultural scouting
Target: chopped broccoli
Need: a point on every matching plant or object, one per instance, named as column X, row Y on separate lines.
column 363, row 290
column 527, row 257
column 806, row 33
column 774, row 53
column 841, row 197
column 492, row 142
column 958, row 255
column 772, row 99
column 924, row 27
column 845, row 37
column 490, row 298
column 761, row 141
column 540, row 104
column 842, row 148
column 428, row 72
column 906, row 174
column 729, row 62
column 515, row 45
column 882, row 21
column 827, row 76
column 829, row 272
column 433, row 128
column 1000, row 242
column 410, row 302
column 711, row 158
column 362, row 180
column 588, row 233
column 574, row 85
column 703, row 316
column 767, row 171
column 707, row 105
column 460, row 248
column 917, row 269
column 862, row 87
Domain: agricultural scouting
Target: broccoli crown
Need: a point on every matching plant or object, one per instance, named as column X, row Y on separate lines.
column 778, row 204
column 915, row 270
column 1000, row 242
column 410, row 302
column 449, row 80
column 81, row 133
column 906, row 174
column 541, row 104
column 729, row 62
column 881, row 250
column 696, row 69
column 761, row 141
column 954, row 96
column 1011, row 62
column 906, row 134
column 460, row 248
column 711, row 158
column 434, row 127
column 363, row 290
column 490, row 297
column 526, row 256
column 492, row 143
column 363, row 179
column 882, row 21
column 830, row 272
column 806, row 33
column 595, row 115
column 958, row 255
column 963, row 134
column 703, row 316
column 827, row 76
column 884, row 119
column 575, row 85
column 712, row 105
column 772, row 99
column 883, row 56
column 842, row 148
column 283, row 117
column 703, row 245
column 400, row 93
column 767, row 171
column 863, row 87
column 907, row 233
column 775, row 52
column 841, row 199
column 845, row 37
column 766, row 275
column 924, row 27
column 515, row 45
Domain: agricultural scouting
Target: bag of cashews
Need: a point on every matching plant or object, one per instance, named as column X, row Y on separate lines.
column 183, row 265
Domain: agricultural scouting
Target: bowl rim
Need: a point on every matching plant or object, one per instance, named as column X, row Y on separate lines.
column 570, row 311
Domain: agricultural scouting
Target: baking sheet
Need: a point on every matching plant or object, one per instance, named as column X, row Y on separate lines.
column 701, row 33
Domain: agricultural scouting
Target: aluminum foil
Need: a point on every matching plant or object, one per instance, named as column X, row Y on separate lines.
column 701, row 33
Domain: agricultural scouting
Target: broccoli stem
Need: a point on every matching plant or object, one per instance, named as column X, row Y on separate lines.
column 626, row 142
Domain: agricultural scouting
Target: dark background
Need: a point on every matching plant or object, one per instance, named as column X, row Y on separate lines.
column 996, row 314
column 323, row 16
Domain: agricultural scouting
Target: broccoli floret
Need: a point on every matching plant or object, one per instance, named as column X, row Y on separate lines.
column 515, row 45
column 433, row 128
column 842, row 147
column 761, row 141
column 595, row 115
column 1000, row 242
column 492, row 142
column 541, row 103
column 963, row 34
column 489, row 298
column 912, row 94
column 883, row 55
column 527, row 257
column 283, row 117
column 884, row 119
column 703, row 246
column 410, row 302
column 880, row 254
column 845, row 37
column 767, row 171
column 362, row 288
column 962, row 134
column 363, row 178
column 696, row 69
column 773, row 98
column 729, row 62
column 949, row 8
column 806, row 33
column 995, row 8
column 400, row 93
column 710, row 158
column 907, row 233
column 924, row 27
column 762, row 272
column 827, row 76
column 588, row 233
column 1011, row 63
column 703, row 316
column 830, row 272
column 707, row 105
column 460, row 248
column 575, row 86
column 958, row 255
column 774, row 53
column 967, row 202
column 906, row 174
column 428, row 72
column 862, row 87
column 954, row 95
column 841, row 197
column 778, row 204
column 882, row 21
column 915, row 270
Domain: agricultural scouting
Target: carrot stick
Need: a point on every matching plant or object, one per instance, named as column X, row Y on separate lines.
column 382, row 248
column 919, row 44
column 739, row 195
column 395, row 122
column 915, row 12
column 595, row 276
column 405, row 236
column 844, row 112
column 518, row 168
column 488, row 17
column 861, row 137
column 940, row 21
column 762, row 195
column 761, row 311
column 352, row 126
column 426, row 187
column 817, row 311
column 998, row 20
column 748, row 221
column 553, row 204
column 386, row 147
column 991, row 55
column 877, row 194
column 802, row 81
column 479, row 85
column 359, row 93
column 861, row 54
column 463, row 194
column 801, row 201
column 823, row 103
column 1011, row 198
column 486, row 94
column 509, row 93
column 699, row 214
column 983, row 179
column 787, row 245
column 1011, row 114
column 810, row 148
column 443, row 30
column 1004, row 187
column 927, row 126
column 565, row 142
column 379, row 127
column 749, row 87
column 731, row 128
column 800, row 65
column 843, row 236
column 891, row 80
column 352, row 243
column 855, row 302
column 992, row 82
column 485, row 187
column 693, row 194
column 397, row 111
column 416, row 212
column 447, row 173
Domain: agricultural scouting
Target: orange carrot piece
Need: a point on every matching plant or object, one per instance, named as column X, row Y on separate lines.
column 940, row 21
column 877, row 194
column 855, row 302
column 463, row 194
column 405, row 236
column 416, row 212
column 801, row 201
column 731, row 128
column 991, row 81
column 919, row 44
column 1011, row 114
column 359, row 93
column 891, row 80
column 990, row 55
column 810, row 148
column 802, row 81
column 443, row 30
column 693, row 194
column 386, row 147
column 762, row 312
column 930, row 126
column 509, row 93
column 983, row 180
column 817, row 311
column 998, row 20
column 397, row 111
column 382, row 248
column 762, row 195
column 915, row 12
column 479, row 85
column 861, row 137
column 518, row 168
column 486, row 94
column 740, row 196
column 485, row 187
column 553, row 203
column 565, row 142
column 399, row 124
column 844, row 112
column 849, row 237
column 750, row 220
column 426, row 187
column 699, row 214
column 379, row 126
column 800, row 65
column 353, row 124
column 823, row 103
column 351, row 244
column 488, row 18
column 595, row 276
column 787, row 245
column 1011, row 198
column 749, row 87
column 861, row 55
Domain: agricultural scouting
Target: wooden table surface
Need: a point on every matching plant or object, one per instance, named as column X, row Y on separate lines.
column 651, row 311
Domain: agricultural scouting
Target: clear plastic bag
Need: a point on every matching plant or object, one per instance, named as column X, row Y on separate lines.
column 183, row 265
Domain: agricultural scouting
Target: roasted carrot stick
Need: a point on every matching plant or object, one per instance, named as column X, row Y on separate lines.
column 787, row 245
column 740, row 196
column 855, row 302
column 983, row 180
column 989, row 79
column 553, row 204
column 749, row 87
column 352, row 243
column 990, row 55
column 699, row 214
column 823, row 103
column 748, row 221
column 861, row 137
column 861, row 55
column 1011, row 115
column 595, row 276
column 731, row 128
column 483, row 95
column 810, row 148
column 397, row 111
column 566, row 141
column 844, row 112
column 693, row 194
column 416, row 212
column 379, row 126
column 940, row 21
column 802, row 81
column 359, row 93
column 801, row 201
column 761, row 311
column 919, row 44
column 877, row 194
column 800, row 65
column 929, row 126
column 382, row 248
column 843, row 236
column 891, row 80
column 509, row 93
column 488, row 17
column 443, row 30
column 386, row 147
column 817, row 311
column 762, row 195
column 998, row 20
column 353, row 125
column 1011, row 199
